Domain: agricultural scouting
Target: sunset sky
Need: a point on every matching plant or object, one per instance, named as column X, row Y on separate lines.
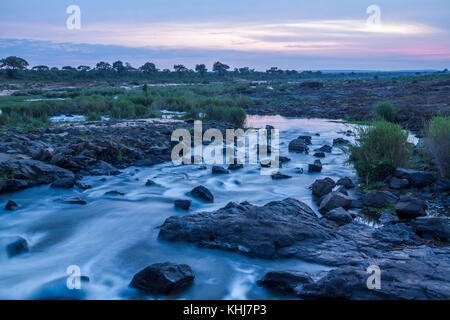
column 291, row 34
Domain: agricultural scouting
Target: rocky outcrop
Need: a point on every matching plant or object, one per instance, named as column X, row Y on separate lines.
column 346, row 182
column 410, row 208
column 334, row 200
column 416, row 178
column 339, row 215
column 379, row 199
column 315, row 167
column 298, row 145
column 432, row 228
column 321, row 187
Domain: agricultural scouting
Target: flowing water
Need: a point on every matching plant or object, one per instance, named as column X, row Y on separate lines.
column 113, row 237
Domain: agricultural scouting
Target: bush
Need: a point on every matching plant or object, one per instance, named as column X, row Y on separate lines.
column 438, row 143
column 386, row 111
column 380, row 148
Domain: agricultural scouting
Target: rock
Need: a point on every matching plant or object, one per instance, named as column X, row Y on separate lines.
column 379, row 199
column 443, row 185
column 325, row 148
column 387, row 218
column 396, row 234
column 83, row 186
column 163, row 278
column 340, row 141
column 284, row 281
column 312, row 84
column 183, row 204
column 279, row 176
column 149, row 183
column 339, row 215
column 315, row 167
column 396, row 183
column 298, row 145
column 321, row 187
column 283, row 159
column 356, row 204
column 307, row 139
column 102, row 168
column 219, row 170
column 334, row 200
column 346, row 182
column 16, row 247
column 410, row 208
column 57, row 290
column 432, row 228
column 63, row 183
column 203, row 193
column 319, row 154
column 146, row 162
column 11, row 206
column 74, row 200
column 342, row 190
column 114, row 193
column 235, row 166
column 416, row 178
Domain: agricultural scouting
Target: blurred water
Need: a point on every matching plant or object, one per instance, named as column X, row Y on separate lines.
column 113, row 237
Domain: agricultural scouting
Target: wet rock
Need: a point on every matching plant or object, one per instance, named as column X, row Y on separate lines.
column 219, row 170
column 57, row 290
column 416, row 178
column 443, row 185
column 83, row 186
column 102, row 168
column 319, row 154
column 149, row 183
column 307, row 139
column 163, row 278
column 146, row 162
column 410, row 208
column 279, row 176
column 285, row 281
column 346, row 182
column 396, row 234
column 235, row 166
column 387, row 218
column 326, row 148
column 339, row 215
column 74, row 200
column 356, row 204
column 63, row 183
column 379, row 199
column 342, row 190
column 283, row 159
column 16, row 247
column 315, row 167
column 396, row 183
column 334, row 200
column 11, row 206
column 432, row 228
column 321, row 187
column 298, row 145
column 114, row 193
column 340, row 141
column 183, row 204
column 202, row 193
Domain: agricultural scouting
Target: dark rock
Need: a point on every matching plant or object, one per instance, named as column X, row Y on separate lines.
column 11, row 205
column 334, row 200
column 410, row 208
column 283, row 159
column 315, row 167
column 219, row 170
column 146, row 162
column 432, row 228
column 235, row 166
column 83, row 186
column 16, row 247
column 342, row 190
column 312, row 84
column 443, row 185
column 326, row 148
column 63, row 183
column 149, row 183
column 356, row 204
column 387, row 218
column 57, row 290
column 339, row 215
column 74, row 200
column 102, row 168
column 163, row 278
column 298, row 145
column 285, row 281
column 279, row 176
column 321, row 187
column 396, row 183
column 379, row 199
column 417, row 178
column 340, row 141
column 114, row 193
column 203, row 193
column 307, row 139
column 396, row 234
column 183, row 204
column 319, row 154
column 346, row 182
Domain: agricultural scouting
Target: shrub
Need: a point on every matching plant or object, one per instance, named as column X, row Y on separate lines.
column 380, row 148
column 438, row 143
column 386, row 111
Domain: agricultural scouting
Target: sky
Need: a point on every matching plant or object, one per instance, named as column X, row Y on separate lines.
column 289, row 34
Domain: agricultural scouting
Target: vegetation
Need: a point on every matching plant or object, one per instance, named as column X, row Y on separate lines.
column 438, row 143
column 380, row 148
column 385, row 110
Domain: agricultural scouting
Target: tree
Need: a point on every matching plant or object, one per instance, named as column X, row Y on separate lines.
column 68, row 68
column 179, row 68
column 244, row 70
column 119, row 67
column 201, row 69
column 40, row 68
column 148, row 68
column 221, row 68
column 84, row 68
column 12, row 65
column 103, row 66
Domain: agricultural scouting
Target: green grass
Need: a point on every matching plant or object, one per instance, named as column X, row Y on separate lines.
column 437, row 143
column 385, row 110
column 380, row 148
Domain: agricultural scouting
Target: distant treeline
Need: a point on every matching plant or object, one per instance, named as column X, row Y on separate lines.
column 18, row 68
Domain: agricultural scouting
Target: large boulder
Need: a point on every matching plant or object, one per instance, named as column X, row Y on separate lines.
column 432, row 228
column 219, row 170
column 163, row 278
column 325, row 148
column 415, row 177
column 285, row 281
column 315, row 167
column 396, row 183
column 334, row 200
column 202, row 193
column 15, row 246
column 410, row 208
column 182, row 204
column 63, row 183
column 339, row 215
column 321, row 187
column 279, row 176
column 298, row 145
column 346, row 182
column 379, row 199
column 11, row 205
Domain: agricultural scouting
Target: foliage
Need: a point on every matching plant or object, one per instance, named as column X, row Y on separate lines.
column 438, row 143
